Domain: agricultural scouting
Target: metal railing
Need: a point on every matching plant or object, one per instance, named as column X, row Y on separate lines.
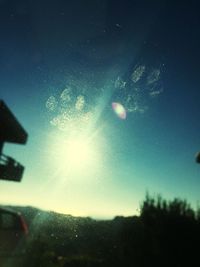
column 10, row 169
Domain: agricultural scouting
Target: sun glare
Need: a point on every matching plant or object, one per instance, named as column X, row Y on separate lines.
column 75, row 155
column 79, row 152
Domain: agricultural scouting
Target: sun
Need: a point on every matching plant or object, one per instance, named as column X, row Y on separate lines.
column 79, row 152
column 75, row 154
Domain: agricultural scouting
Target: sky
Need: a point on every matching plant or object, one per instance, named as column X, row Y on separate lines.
column 108, row 92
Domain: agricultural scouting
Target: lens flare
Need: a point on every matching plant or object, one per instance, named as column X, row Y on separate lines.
column 119, row 110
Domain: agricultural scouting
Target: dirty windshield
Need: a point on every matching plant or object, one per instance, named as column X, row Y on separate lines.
column 99, row 133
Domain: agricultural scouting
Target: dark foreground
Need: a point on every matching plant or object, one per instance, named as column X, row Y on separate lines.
column 165, row 234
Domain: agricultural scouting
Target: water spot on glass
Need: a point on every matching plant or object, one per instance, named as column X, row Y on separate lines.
column 153, row 76
column 51, row 103
column 156, row 93
column 80, row 102
column 119, row 83
column 65, row 97
column 138, row 73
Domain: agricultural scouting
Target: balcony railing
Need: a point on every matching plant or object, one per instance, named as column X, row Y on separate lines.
column 10, row 169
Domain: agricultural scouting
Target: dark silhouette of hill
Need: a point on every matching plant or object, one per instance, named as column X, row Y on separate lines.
column 166, row 233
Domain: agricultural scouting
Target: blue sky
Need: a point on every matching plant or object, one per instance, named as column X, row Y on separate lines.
column 135, row 54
